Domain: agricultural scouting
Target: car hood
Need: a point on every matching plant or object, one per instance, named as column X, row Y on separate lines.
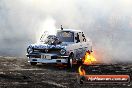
column 47, row 46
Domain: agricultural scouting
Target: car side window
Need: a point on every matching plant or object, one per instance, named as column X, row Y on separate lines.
column 80, row 37
column 77, row 38
column 84, row 39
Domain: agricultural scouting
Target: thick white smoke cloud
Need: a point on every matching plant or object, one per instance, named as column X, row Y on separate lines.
column 47, row 26
column 107, row 22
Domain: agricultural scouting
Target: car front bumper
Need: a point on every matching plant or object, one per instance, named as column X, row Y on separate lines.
column 39, row 60
column 47, row 58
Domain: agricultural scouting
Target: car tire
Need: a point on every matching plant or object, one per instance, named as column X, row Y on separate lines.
column 70, row 59
column 33, row 63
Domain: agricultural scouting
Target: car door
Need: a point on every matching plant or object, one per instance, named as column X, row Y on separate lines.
column 84, row 43
column 79, row 47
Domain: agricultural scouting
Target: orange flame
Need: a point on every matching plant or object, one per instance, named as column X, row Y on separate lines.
column 81, row 71
column 87, row 60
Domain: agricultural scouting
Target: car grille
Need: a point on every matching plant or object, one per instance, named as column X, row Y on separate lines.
column 50, row 51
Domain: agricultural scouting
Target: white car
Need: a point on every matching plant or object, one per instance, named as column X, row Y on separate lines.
column 68, row 46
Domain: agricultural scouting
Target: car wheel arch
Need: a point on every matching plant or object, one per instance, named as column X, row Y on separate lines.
column 71, row 54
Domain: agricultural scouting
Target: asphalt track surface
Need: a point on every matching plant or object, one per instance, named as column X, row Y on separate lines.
column 18, row 73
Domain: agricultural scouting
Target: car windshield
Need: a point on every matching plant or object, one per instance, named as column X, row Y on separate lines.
column 66, row 36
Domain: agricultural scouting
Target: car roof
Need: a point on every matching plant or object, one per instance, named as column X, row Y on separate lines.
column 72, row 30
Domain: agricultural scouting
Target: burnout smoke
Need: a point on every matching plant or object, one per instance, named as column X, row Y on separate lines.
column 47, row 27
column 108, row 23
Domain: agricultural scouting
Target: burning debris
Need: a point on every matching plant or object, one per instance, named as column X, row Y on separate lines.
column 81, row 71
column 88, row 59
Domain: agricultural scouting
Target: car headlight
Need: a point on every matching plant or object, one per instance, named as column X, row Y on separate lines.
column 62, row 51
column 46, row 50
column 29, row 50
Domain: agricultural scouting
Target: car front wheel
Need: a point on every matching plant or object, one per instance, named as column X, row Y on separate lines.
column 70, row 60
